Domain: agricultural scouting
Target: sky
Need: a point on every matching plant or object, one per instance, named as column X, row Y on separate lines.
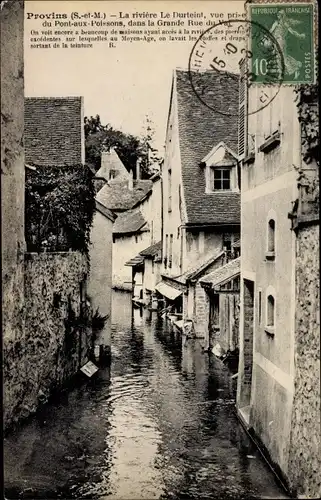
column 122, row 85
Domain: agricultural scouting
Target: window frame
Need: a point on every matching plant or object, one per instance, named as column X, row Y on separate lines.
column 270, row 326
column 270, row 251
column 221, row 170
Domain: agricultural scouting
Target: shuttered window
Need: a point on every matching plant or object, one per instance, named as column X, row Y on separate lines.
column 242, row 128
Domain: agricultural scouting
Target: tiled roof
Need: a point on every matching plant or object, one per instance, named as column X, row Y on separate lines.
column 200, row 128
column 197, row 269
column 53, row 131
column 118, row 197
column 152, row 250
column 224, row 273
column 128, row 222
column 135, row 261
column 110, row 162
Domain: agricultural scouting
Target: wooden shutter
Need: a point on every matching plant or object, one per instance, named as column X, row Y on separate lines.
column 242, row 125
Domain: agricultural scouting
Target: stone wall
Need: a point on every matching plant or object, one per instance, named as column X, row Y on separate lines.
column 246, row 353
column 54, row 346
column 12, row 186
column 201, row 314
column 305, row 460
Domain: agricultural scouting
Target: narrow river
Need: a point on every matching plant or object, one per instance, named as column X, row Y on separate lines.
column 159, row 424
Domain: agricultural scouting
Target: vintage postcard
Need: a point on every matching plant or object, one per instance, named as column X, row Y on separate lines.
column 160, row 249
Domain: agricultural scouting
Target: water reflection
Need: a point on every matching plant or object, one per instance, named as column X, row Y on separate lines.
column 159, row 424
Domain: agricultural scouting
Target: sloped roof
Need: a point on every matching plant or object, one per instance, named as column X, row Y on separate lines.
column 105, row 211
column 53, row 131
column 128, row 222
column 200, row 128
column 152, row 250
column 119, row 198
column 135, row 261
column 197, row 269
column 110, row 161
column 224, row 273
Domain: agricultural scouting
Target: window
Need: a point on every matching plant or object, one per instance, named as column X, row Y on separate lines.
column 166, row 251
column 222, row 179
column 170, row 258
column 153, row 266
column 227, row 242
column 271, row 236
column 270, row 312
column 178, row 232
column 112, row 174
column 136, row 239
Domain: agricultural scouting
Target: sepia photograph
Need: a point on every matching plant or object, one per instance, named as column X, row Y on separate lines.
column 160, row 249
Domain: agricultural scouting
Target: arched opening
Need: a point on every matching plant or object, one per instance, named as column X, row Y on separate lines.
column 270, row 311
column 271, row 236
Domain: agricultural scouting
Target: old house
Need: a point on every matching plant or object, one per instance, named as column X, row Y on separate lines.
column 146, row 268
column 278, row 394
column 57, row 230
column 223, row 302
column 137, row 204
column 112, row 168
column 100, row 279
column 201, row 198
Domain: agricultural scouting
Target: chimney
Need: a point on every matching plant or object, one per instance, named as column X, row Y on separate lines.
column 138, row 169
column 131, row 180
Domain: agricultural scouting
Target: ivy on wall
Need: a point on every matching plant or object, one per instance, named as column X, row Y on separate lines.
column 307, row 103
column 59, row 208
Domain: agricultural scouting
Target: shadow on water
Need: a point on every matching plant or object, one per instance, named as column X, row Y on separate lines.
column 159, row 424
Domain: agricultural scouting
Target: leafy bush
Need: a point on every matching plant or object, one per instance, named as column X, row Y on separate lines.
column 59, row 208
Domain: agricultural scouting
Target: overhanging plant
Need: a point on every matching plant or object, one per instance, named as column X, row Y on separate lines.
column 59, row 208
column 308, row 111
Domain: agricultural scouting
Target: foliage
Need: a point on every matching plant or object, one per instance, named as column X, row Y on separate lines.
column 98, row 321
column 130, row 148
column 308, row 109
column 59, row 208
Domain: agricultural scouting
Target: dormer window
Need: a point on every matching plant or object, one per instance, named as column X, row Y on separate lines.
column 220, row 168
column 221, row 179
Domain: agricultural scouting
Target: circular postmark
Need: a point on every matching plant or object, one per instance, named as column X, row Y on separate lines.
column 228, row 49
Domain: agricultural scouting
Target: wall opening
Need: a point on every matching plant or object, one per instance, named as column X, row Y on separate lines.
column 271, row 236
column 248, row 333
column 214, row 315
column 270, row 311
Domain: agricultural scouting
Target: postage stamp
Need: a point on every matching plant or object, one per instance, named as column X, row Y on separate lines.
column 232, row 61
column 292, row 26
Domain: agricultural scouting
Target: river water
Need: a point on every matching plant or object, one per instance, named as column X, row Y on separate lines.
column 158, row 424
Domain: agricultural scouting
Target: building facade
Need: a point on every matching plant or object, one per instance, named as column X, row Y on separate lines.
column 201, row 198
column 100, row 278
column 273, row 307
column 137, row 204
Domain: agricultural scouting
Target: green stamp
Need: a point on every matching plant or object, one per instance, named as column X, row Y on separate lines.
column 291, row 30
